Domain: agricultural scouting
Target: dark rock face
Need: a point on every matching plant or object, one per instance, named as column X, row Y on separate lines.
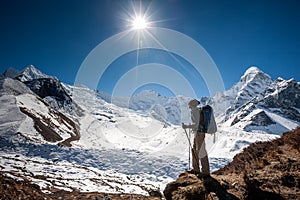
column 243, row 112
column 287, row 95
column 285, row 101
column 52, row 91
column 49, row 87
column 261, row 119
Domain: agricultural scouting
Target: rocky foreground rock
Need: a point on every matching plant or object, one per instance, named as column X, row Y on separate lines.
column 264, row 170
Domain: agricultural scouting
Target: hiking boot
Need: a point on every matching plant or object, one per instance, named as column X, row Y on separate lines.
column 203, row 175
column 193, row 172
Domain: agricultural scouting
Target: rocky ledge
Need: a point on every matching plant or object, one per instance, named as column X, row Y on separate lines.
column 264, row 170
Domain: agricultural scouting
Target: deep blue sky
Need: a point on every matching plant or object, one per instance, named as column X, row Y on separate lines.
column 56, row 35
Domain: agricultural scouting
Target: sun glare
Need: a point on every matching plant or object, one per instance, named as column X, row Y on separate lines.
column 139, row 23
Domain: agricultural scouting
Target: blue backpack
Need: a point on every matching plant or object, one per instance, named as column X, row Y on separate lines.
column 207, row 122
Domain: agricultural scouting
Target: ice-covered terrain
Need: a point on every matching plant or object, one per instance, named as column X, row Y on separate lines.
column 127, row 149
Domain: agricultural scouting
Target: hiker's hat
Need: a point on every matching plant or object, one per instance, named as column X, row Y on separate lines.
column 194, row 102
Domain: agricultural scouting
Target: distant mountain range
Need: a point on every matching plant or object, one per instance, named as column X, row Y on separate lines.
column 256, row 102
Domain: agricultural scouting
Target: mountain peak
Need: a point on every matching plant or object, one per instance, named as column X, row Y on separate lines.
column 253, row 72
column 253, row 69
column 30, row 73
column 31, row 69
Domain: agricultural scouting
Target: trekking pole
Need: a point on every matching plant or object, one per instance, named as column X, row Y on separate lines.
column 194, row 153
column 190, row 146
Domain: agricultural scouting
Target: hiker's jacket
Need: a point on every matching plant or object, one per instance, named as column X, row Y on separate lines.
column 195, row 116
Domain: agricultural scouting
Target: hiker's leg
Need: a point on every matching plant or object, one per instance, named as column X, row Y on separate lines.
column 205, row 165
column 195, row 154
column 203, row 155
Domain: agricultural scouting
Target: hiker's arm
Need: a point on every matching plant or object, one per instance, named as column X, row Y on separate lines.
column 185, row 126
column 195, row 121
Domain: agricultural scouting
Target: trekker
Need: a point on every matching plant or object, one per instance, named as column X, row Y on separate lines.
column 198, row 150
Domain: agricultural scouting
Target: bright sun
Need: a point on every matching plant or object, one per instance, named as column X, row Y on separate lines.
column 139, row 23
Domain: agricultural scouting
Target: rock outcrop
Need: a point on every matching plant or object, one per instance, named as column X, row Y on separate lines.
column 264, row 170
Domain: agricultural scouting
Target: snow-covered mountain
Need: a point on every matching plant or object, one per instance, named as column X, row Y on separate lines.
column 137, row 140
column 257, row 102
column 49, row 88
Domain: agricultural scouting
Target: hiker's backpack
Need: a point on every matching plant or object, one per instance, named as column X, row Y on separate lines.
column 207, row 122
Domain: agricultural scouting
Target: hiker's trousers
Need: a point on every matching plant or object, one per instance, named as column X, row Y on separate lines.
column 199, row 153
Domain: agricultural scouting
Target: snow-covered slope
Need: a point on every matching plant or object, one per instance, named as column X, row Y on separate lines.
column 137, row 140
